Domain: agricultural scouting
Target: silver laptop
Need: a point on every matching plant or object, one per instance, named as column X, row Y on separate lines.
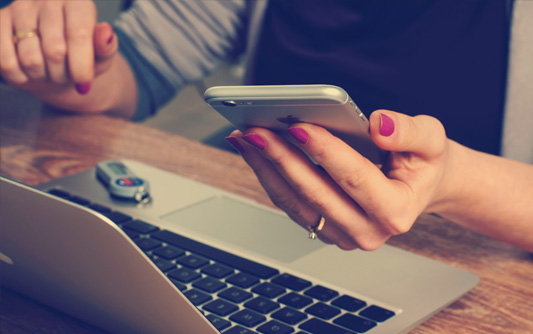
column 197, row 259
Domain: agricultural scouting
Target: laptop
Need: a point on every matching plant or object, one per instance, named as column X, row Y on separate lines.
column 197, row 259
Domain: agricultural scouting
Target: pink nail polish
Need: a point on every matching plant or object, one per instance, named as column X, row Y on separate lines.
column 299, row 134
column 387, row 125
column 255, row 140
column 236, row 144
column 83, row 88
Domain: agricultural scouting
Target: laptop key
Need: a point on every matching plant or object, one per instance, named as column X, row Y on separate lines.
column 321, row 293
column 317, row 326
column 59, row 193
column 262, row 305
column 79, row 200
column 239, row 330
column 184, row 275
column 235, row 295
column 217, row 270
column 247, row 318
column 140, row 226
column 269, row 290
column 117, row 217
column 220, row 307
column 209, row 284
column 147, row 244
column 215, row 254
column 169, row 252
column 295, row 300
column 197, row 297
column 377, row 313
column 289, row 316
column 291, row 282
column 323, row 311
column 132, row 235
column 275, row 327
column 243, row 280
column 192, row 261
column 219, row 323
column 349, row 303
column 182, row 287
column 99, row 208
column 354, row 322
column 163, row 264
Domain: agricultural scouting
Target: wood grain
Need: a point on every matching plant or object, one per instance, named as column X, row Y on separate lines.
column 38, row 144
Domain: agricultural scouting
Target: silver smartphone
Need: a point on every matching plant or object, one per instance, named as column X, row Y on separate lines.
column 276, row 107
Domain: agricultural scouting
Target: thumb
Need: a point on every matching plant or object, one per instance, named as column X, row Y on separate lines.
column 105, row 42
column 423, row 135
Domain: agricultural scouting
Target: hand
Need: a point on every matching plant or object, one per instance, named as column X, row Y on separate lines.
column 59, row 46
column 363, row 205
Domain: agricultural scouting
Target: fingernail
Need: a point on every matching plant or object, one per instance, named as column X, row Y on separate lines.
column 299, row 134
column 255, row 140
column 83, row 88
column 110, row 40
column 387, row 126
column 236, row 144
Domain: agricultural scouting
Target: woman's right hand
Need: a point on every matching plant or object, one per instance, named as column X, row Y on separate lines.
column 59, row 46
column 363, row 206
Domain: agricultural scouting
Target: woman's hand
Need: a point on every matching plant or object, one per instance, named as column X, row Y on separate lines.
column 362, row 205
column 47, row 47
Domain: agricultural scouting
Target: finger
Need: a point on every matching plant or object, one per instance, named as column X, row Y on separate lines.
column 106, row 46
column 28, row 49
column 281, row 194
column 388, row 204
column 355, row 174
column 422, row 135
column 418, row 148
column 9, row 64
column 105, row 41
column 80, row 23
column 279, row 191
column 364, row 191
column 52, row 29
column 311, row 186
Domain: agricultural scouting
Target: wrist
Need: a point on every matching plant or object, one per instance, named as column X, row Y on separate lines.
column 452, row 187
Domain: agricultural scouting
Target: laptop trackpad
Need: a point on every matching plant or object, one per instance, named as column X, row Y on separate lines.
column 247, row 226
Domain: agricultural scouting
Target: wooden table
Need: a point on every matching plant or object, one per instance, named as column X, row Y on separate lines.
column 38, row 144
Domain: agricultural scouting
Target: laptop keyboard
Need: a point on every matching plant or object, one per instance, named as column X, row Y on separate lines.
column 240, row 296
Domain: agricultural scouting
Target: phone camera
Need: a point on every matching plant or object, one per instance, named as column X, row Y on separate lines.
column 229, row 103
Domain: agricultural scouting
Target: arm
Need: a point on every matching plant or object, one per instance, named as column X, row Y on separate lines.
column 164, row 47
column 489, row 194
column 364, row 206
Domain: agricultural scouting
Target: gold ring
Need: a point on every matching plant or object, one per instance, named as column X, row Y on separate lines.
column 313, row 231
column 27, row 33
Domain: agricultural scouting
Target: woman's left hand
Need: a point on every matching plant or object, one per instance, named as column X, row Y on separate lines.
column 363, row 205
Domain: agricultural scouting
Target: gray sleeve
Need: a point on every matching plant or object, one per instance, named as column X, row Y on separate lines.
column 182, row 40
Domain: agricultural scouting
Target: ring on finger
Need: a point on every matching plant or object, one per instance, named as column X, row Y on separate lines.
column 313, row 231
column 26, row 33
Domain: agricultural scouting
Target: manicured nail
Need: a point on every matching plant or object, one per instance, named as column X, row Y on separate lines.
column 299, row 134
column 110, row 40
column 83, row 88
column 255, row 140
column 236, row 144
column 387, row 126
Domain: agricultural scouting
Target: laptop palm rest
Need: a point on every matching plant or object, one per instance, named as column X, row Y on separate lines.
column 250, row 227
